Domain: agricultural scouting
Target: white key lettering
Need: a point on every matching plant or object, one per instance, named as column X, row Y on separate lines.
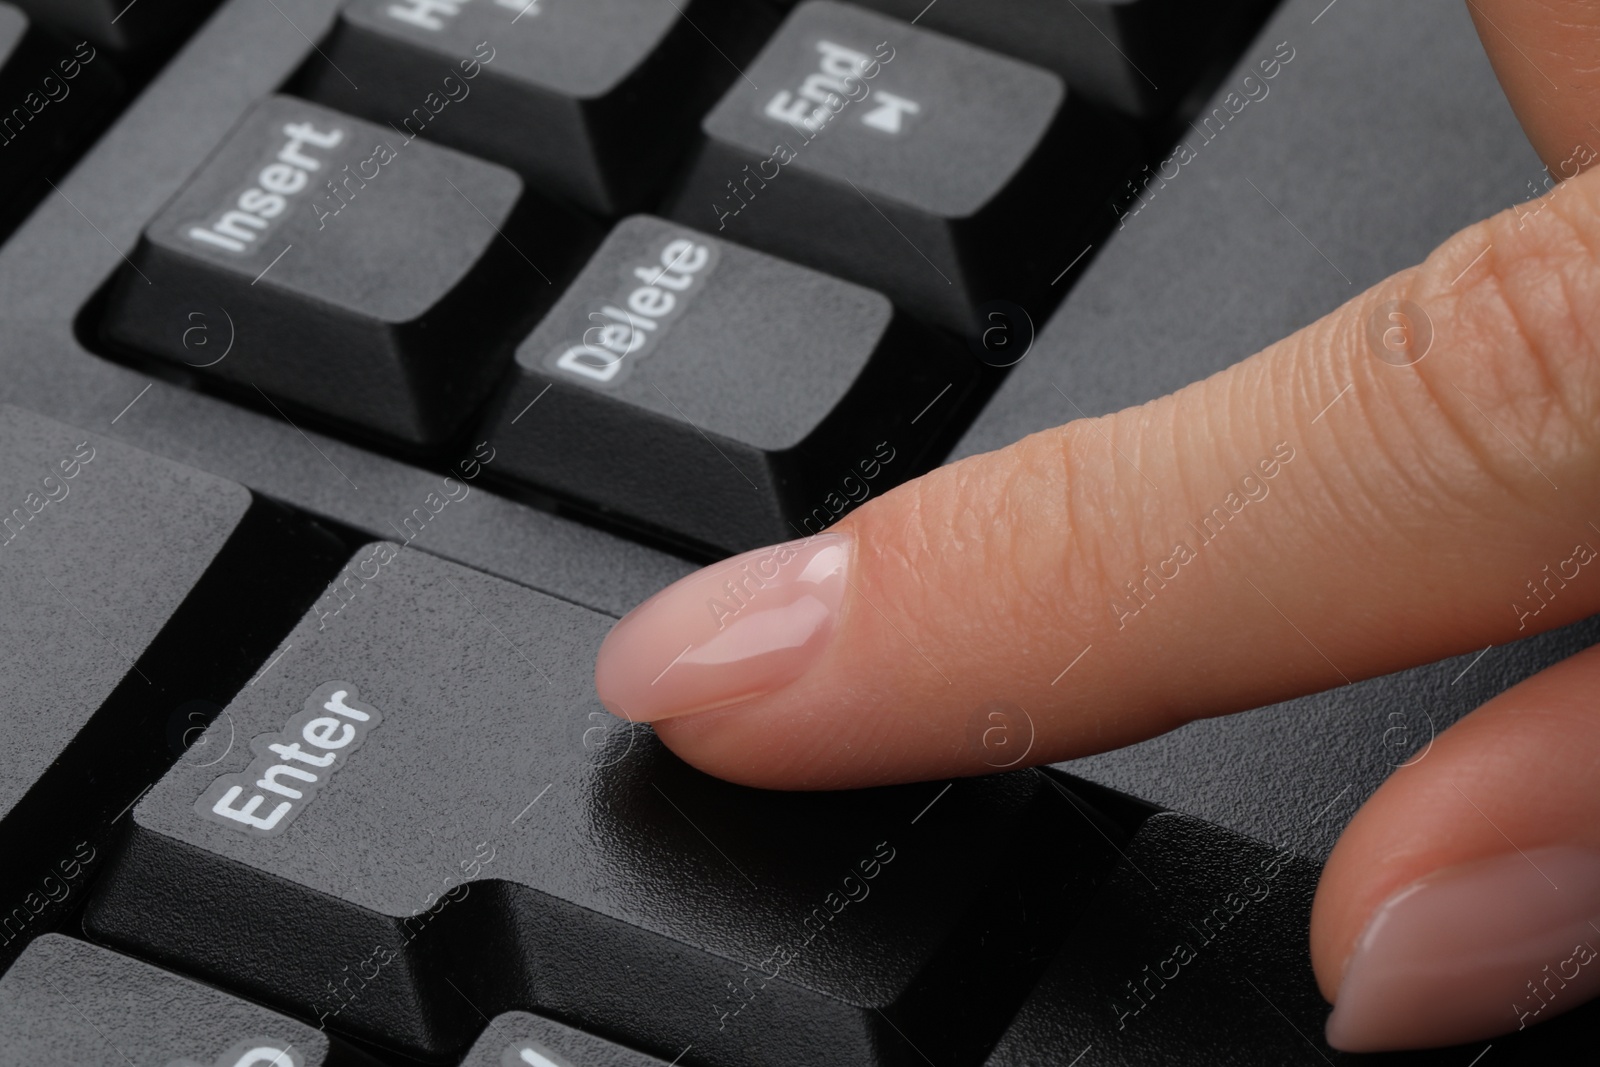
column 637, row 318
column 238, row 228
column 284, row 777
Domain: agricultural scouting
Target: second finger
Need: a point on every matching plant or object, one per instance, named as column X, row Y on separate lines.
column 1432, row 456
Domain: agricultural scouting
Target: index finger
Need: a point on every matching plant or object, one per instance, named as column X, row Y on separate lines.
column 1358, row 498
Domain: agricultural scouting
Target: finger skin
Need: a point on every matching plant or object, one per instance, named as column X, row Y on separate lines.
column 1514, row 778
column 1409, row 512
column 1543, row 52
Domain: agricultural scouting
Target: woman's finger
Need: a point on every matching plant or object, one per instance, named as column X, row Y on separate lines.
column 1464, row 899
column 1406, row 479
column 1544, row 54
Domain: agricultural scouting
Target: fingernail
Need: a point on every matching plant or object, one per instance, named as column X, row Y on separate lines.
column 1474, row 951
column 737, row 630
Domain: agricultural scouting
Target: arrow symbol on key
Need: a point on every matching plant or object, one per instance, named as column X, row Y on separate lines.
column 888, row 116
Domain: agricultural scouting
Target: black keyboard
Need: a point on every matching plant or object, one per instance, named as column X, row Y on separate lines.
column 364, row 360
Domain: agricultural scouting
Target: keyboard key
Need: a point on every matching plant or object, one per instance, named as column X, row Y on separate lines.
column 123, row 578
column 120, row 25
column 1195, row 952
column 940, row 174
column 722, row 395
column 594, row 100
column 436, row 822
column 517, row 1039
column 373, row 280
column 67, row 1003
column 1193, row 917
column 53, row 94
column 1136, row 55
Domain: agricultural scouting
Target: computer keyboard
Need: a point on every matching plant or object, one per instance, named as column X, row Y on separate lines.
column 364, row 361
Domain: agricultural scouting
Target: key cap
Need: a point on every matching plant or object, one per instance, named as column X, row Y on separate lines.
column 370, row 279
column 53, row 94
column 67, row 1003
column 120, row 25
column 517, row 1039
column 123, row 578
column 722, row 395
column 1195, row 952
column 436, row 822
column 1161, row 971
column 940, row 174
column 1139, row 56
column 592, row 99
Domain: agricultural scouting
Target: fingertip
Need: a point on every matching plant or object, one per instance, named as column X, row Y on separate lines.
column 1473, row 951
column 1463, row 901
column 727, row 634
column 732, row 744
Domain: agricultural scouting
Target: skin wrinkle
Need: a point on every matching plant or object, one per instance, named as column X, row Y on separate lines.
column 1534, row 291
column 1146, row 530
column 1057, row 458
column 895, row 556
column 1184, row 420
column 1583, row 412
column 1089, row 584
column 1162, row 424
column 1528, row 306
column 1479, row 431
column 1353, row 432
column 1021, row 571
column 945, row 509
column 1418, row 479
column 1023, row 488
column 1464, row 424
column 1006, row 579
column 1019, row 510
column 1174, row 412
column 1574, row 417
column 1378, row 418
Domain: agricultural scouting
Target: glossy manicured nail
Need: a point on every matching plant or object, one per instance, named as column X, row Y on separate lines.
column 736, row 630
column 1473, row 951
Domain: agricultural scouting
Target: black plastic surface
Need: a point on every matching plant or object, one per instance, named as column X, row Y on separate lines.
column 67, row 1003
column 1192, row 918
column 603, row 95
column 482, row 836
column 52, row 94
column 120, row 25
column 1136, row 55
column 111, row 671
column 517, row 1039
column 1195, row 952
